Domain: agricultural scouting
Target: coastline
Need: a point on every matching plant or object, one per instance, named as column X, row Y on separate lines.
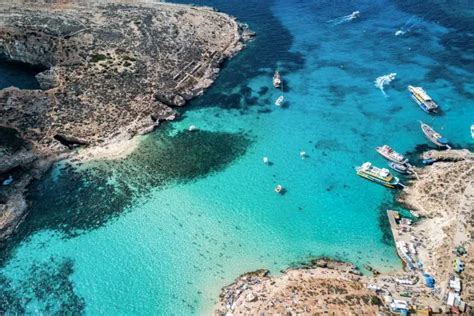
column 98, row 136
column 116, row 148
column 322, row 286
column 442, row 228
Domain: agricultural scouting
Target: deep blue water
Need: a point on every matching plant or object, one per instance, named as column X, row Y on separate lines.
column 18, row 74
column 163, row 230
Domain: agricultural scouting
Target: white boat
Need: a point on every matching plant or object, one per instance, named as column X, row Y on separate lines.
column 354, row 15
column 266, row 160
column 303, row 154
column 279, row 101
column 388, row 153
column 192, row 128
column 277, row 80
column 472, row 130
column 422, row 98
column 433, row 136
column 279, row 189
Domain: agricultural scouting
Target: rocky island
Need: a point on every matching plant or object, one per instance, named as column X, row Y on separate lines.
column 439, row 265
column 111, row 71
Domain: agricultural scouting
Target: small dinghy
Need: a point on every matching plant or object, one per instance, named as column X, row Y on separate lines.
column 403, row 169
column 303, row 154
column 192, row 128
column 279, row 189
column 266, row 160
column 472, row 131
column 433, row 136
column 279, row 101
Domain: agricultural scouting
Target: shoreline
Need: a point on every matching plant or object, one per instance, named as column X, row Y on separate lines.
column 97, row 135
column 116, row 148
column 430, row 241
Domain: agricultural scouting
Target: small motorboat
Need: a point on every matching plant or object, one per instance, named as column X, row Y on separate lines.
column 472, row 131
column 279, row 101
column 279, row 189
column 277, row 80
column 403, row 169
column 433, row 136
column 428, row 161
column 192, row 128
column 303, row 154
column 266, row 160
column 354, row 15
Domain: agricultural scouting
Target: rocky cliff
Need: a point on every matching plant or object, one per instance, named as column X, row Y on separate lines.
column 112, row 71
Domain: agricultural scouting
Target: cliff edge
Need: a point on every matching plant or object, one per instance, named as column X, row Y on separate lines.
column 111, row 71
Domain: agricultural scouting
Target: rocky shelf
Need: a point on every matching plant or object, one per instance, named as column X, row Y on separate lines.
column 112, row 71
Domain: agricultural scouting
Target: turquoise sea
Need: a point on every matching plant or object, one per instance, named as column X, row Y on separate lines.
column 161, row 231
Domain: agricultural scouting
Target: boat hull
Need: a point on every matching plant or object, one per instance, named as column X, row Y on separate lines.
column 402, row 169
column 391, row 185
column 429, row 134
column 435, row 142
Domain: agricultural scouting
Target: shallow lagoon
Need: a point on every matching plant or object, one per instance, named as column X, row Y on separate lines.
column 163, row 230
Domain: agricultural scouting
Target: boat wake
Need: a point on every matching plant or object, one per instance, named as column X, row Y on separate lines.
column 407, row 27
column 383, row 81
column 344, row 19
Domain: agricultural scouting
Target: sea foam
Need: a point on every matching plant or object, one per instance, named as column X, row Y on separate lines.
column 384, row 80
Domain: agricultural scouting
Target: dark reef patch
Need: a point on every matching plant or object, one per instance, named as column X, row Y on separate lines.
column 330, row 144
column 80, row 200
column 263, row 91
column 48, row 283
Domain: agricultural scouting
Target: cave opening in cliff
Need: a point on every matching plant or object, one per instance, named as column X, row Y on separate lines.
column 19, row 74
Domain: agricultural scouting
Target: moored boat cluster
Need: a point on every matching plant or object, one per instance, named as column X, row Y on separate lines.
column 382, row 176
column 396, row 161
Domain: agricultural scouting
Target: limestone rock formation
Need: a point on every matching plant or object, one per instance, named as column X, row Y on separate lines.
column 112, row 71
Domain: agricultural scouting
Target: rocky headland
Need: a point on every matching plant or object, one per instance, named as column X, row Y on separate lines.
column 442, row 195
column 323, row 286
column 111, row 71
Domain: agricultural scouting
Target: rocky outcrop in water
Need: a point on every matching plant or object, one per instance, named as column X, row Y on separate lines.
column 112, row 71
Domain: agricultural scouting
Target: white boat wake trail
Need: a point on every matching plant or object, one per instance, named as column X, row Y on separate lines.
column 407, row 27
column 343, row 19
column 382, row 81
